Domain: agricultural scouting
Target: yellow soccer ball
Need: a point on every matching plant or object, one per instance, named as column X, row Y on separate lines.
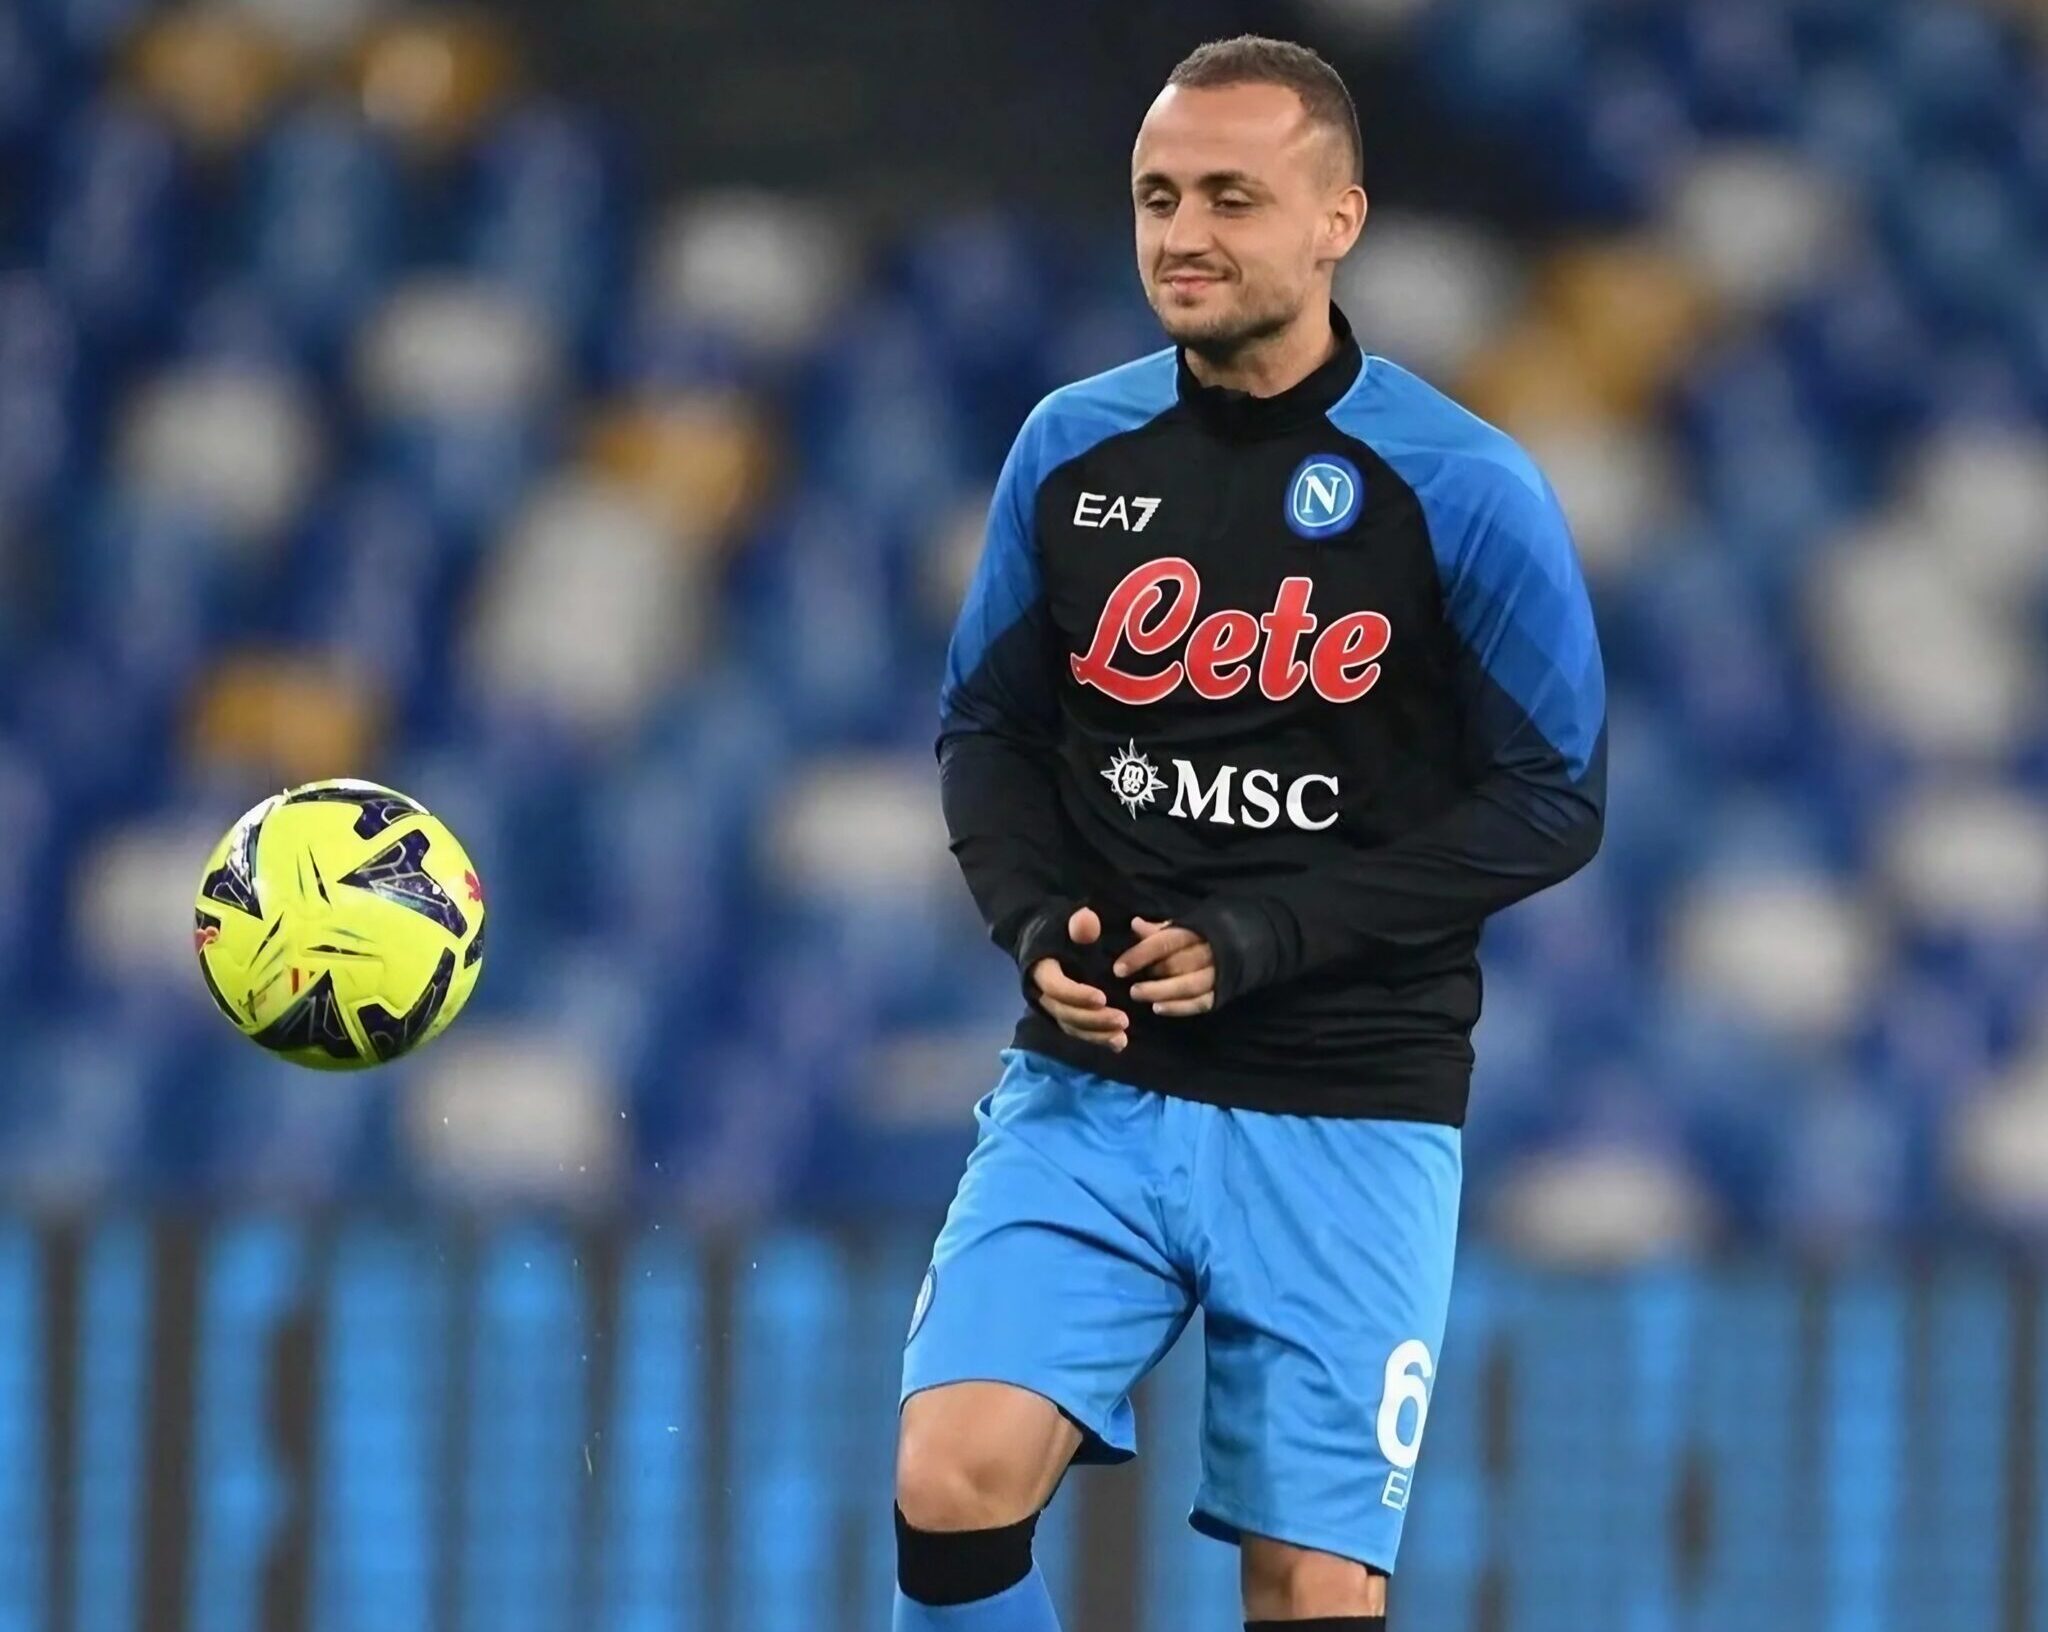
column 339, row 925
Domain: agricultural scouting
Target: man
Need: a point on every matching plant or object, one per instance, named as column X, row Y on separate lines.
column 1276, row 678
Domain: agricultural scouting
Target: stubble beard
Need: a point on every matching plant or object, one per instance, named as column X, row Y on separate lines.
column 1223, row 338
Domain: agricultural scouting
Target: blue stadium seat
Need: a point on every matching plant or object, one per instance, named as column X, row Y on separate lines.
column 1739, row 66
column 324, row 223
column 1954, row 71
column 43, row 397
column 817, row 612
column 84, row 29
column 984, row 288
column 75, row 1094
column 876, row 418
column 546, row 216
column 1727, row 1090
column 1850, row 124
column 100, row 741
column 1829, row 30
column 1715, row 653
column 32, row 884
column 370, row 579
column 655, row 353
column 115, row 222
column 152, row 588
column 257, row 1128
column 1862, row 354
column 470, row 469
column 1518, row 68
column 28, row 92
column 1654, row 784
column 1853, row 1166
column 1617, row 155
column 236, row 324
column 1956, row 231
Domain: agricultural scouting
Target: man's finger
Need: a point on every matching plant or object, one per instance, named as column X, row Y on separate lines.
column 1091, row 1021
column 1053, row 981
column 1156, row 992
column 1092, row 1025
column 1159, row 944
column 1084, row 928
column 1186, row 1006
column 1185, row 962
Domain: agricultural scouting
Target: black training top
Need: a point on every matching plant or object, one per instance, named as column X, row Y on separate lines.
column 1313, row 674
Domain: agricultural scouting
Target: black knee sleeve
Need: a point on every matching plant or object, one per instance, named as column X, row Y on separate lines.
column 940, row 1567
column 1329, row 1623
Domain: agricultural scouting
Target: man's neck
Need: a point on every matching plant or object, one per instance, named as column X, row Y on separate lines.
column 1277, row 363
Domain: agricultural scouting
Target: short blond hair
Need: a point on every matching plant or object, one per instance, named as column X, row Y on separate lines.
column 1254, row 59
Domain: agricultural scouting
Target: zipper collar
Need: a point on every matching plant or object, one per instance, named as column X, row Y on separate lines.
column 1241, row 416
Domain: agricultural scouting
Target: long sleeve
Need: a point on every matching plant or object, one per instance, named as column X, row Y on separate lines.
column 998, row 715
column 1532, row 705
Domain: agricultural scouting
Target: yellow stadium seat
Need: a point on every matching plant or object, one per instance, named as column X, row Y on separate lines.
column 1633, row 316
column 434, row 77
column 1531, row 378
column 701, row 461
column 214, row 72
column 299, row 718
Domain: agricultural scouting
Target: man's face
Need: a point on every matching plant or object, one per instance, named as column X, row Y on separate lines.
column 1240, row 202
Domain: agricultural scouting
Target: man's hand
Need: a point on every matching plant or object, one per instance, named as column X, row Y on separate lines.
column 1183, row 969
column 1081, row 1011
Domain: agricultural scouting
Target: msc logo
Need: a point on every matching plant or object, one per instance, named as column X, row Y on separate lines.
column 1258, row 799
column 1324, row 495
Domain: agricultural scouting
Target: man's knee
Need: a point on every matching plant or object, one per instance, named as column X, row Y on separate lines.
column 974, row 1464
column 975, row 1456
column 953, row 1484
column 1283, row 1582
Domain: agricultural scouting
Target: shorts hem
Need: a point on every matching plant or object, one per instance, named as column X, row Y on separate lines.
column 1231, row 1525
column 1097, row 1448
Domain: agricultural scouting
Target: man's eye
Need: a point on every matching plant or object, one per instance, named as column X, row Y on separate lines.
column 1233, row 203
column 1156, row 206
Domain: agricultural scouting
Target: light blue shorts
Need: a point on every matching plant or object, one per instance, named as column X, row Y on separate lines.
column 1094, row 1218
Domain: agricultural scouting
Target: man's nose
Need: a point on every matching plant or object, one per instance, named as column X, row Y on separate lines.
column 1187, row 233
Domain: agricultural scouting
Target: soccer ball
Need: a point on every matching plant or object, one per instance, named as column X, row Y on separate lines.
column 339, row 925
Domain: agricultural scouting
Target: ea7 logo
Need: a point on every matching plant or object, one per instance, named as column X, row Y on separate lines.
column 1099, row 510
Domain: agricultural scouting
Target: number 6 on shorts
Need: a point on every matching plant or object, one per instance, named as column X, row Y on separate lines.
column 1409, row 1370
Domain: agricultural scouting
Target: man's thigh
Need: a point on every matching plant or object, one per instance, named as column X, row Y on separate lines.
column 1050, row 1273
column 1328, row 1251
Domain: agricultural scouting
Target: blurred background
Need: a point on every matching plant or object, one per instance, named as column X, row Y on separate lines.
column 582, row 416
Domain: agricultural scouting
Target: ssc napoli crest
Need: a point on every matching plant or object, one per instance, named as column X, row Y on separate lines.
column 1324, row 496
column 924, row 1301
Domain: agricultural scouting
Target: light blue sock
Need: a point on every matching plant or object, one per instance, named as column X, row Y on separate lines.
column 1026, row 1607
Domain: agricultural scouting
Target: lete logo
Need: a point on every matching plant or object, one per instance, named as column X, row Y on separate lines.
column 1343, row 664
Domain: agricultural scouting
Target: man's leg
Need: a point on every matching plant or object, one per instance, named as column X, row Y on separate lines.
column 975, row 1464
column 1328, row 1254
column 1049, row 1296
column 1297, row 1587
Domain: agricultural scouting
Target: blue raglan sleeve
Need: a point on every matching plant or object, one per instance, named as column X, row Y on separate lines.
column 1532, row 702
column 998, row 725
